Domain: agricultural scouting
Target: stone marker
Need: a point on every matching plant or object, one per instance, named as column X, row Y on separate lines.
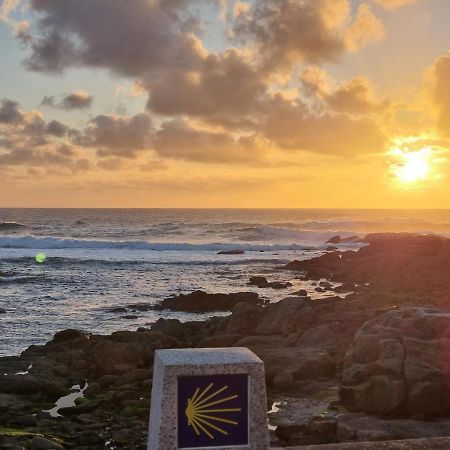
column 211, row 398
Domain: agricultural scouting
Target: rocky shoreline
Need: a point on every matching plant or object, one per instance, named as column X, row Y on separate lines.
column 371, row 366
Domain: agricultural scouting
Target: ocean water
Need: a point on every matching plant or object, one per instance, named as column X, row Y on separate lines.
column 98, row 259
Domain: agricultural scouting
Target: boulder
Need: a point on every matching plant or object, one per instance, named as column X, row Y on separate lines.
column 244, row 318
column 200, row 301
column 285, row 316
column 399, row 364
column 68, row 335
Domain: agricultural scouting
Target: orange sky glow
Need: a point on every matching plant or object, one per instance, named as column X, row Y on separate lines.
column 260, row 103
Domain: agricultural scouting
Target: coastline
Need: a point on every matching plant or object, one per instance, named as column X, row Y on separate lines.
column 302, row 342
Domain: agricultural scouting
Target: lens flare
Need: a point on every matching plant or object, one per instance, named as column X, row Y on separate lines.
column 40, row 258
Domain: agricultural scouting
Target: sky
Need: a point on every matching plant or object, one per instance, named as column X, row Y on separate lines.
column 225, row 103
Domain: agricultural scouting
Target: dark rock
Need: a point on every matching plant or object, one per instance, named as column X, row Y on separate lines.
column 396, row 364
column 27, row 421
column 40, row 443
column 2, row 311
column 118, row 309
column 231, row 252
column 301, row 293
column 258, row 281
column 244, row 318
column 285, row 316
column 360, row 427
column 140, row 307
column 200, row 301
column 334, row 240
column 331, row 248
column 283, row 380
column 68, row 335
column 279, row 284
column 221, row 340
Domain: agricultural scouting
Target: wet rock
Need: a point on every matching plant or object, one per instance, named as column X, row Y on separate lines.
column 27, row 420
column 258, row 281
column 334, row 240
column 20, row 384
column 140, row 307
column 2, row 311
column 118, row 309
column 231, row 252
column 200, row 301
column 396, row 364
column 40, row 443
column 68, row 335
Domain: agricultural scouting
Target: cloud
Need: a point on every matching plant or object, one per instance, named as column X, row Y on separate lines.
column 10, row 112
column 440, row 73
column 119, row 136
column 365, row 28
column 315, row 82
column 130, row 38
column 356, row 97
column 224, row 89
column 56, row 128
column 287, row 32
column 79, row 99
column 177, row 139
column 393, row 4
column 27, row 140
column 291, row 126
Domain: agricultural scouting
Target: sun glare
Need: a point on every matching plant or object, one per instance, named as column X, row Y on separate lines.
column 412, row 166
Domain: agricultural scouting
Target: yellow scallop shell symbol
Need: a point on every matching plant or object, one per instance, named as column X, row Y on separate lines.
column 204, row 416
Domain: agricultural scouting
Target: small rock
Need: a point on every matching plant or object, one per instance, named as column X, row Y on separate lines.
column 258, row 281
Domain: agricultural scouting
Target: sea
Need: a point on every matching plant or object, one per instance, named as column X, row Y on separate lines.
column 99, row 259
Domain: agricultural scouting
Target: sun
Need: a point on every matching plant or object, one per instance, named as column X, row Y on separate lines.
column 412, row 166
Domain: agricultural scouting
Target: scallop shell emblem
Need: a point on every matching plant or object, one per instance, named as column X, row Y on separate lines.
column 207, row 413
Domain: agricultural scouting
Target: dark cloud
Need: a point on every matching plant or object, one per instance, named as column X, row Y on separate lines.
column 10, row 112
column 177, row 139
column 116, row 135
column 76, row 100
column 226, row 88
column 57, row 128
column 130, row 37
